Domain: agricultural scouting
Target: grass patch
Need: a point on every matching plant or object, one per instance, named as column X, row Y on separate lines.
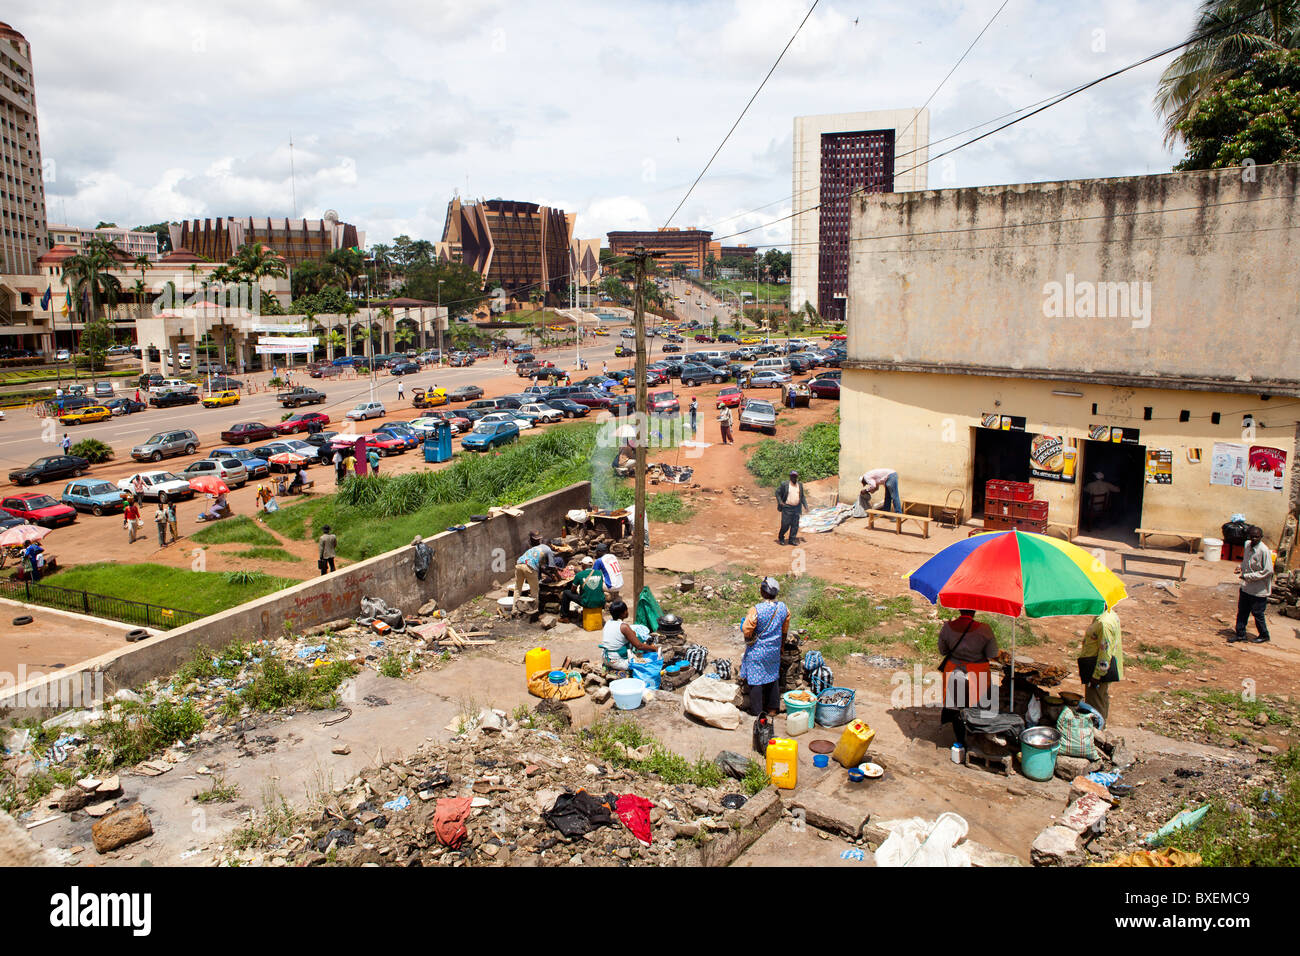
column 131, row 738
column 219, row 792
column 1264, row 830
column 295, row 521
column 237, row 530
column 815, row 455
column 268, row 554
column 1153, row 657
column 1278, row 711
column 664, row 507
column 199, row 591
column 604, row 740
column 755, row 778
column 391, row 666
column 277, row 685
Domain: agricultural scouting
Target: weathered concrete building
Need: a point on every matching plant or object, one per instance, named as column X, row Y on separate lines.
column 1144, row 328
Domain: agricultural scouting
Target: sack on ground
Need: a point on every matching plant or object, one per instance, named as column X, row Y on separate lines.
column 1077, row 734
column 710, row 700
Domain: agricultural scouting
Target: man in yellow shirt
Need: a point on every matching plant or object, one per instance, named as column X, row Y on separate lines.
column 1101, row 661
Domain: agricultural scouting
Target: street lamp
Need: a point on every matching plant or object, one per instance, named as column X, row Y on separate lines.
column 437, row 317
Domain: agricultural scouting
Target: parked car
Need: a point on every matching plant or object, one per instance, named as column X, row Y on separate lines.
column 97, row 496
column 672, row 348
column 116, row 350
column 465, row 393
column 256, row 467
column 539, row 413
column 768, row 378
column 229, row 470
column 567, row 407
column 103, row 390
column 85, row 415
column 509, row 415
column 38, row 509
column 306, row 450
column 302, row 422
column 401, row 431
column 225, row 383
column 627, row 334
column 387, row 443
column 125, row 406
column 825, row 387
column 62, row 355
column 758, row 415
column 485, row 436
column 324, row 370
column 172, row 399
column 462, row 360
column 663, row 403
column 459, row 423
column 590, row 399
column 159, row 485
column 701, row 337
column 405, row 368
column 367, row 410
column 699, row 374
column 730, row 397
column 245, row 432
column 166, row 444
column 622, row 404
column 219, row 399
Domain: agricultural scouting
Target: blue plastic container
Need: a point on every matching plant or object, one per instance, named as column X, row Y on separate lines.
column 821, row 760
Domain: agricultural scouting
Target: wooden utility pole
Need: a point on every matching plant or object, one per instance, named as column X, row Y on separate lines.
column 642, row 428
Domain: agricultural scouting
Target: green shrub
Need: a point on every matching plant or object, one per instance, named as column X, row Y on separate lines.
column 815, row 455
column 277, row 685
column 93, row 450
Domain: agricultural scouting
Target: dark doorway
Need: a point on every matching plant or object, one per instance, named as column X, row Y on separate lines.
column 998, row 454
column 1111, row 506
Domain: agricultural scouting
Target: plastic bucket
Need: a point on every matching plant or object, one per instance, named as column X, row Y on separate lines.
column 1212, row 549
column 793, row 707
column 821, row 760
column 627, row 692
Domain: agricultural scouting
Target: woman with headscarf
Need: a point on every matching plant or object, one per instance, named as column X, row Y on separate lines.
column 765, row 627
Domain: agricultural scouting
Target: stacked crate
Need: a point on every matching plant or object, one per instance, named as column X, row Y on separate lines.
column 1011, row 506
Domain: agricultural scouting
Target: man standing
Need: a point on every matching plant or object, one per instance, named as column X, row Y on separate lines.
column 1256, row 573
column 66, row 443
column 1101, row 661
column 889, row 479
column 160, row 520
column 338, row 466
column 791, row 502
column 171, row 520
column 401, row 389
column 33, row 553
column 328, row 548
column 131, row 519
column 695, row 408
column 137, row 487
column 724, row 422
column 372, row 459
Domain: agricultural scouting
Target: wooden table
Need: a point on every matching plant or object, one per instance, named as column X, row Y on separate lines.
column 1189, row 538
column 1126, row 556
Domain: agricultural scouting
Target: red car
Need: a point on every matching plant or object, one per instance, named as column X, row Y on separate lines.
column 731, row 397
column 590, row 399
column 387, row 444
column 704, row 338
column 458, row 423
column 837, row 337
column 245, row 432
column 301, row 421
column 825, row 387
column 663, row 402
column 38, row 509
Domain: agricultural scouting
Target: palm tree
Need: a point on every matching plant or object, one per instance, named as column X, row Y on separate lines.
column 1229, row 33
column 382, row 256
column 138, row 289
column 350, row 309
column 335, row 340
column 89, row 275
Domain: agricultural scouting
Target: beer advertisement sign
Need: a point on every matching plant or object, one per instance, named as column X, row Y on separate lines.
column 1052, row 458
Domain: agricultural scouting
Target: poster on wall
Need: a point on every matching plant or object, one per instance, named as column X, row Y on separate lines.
column 1004, row 423
column 1160, row 466
column 1114, row 433
column 1228, row 464
column 1052, row 458
column 1267, row 469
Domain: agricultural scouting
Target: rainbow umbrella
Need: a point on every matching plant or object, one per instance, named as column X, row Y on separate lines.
column 1016, row 573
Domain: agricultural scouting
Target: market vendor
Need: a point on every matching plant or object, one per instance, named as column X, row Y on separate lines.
column 619, row 638
column 765, row 628
column 967, row 646
column 528, row 565
column 587, row 590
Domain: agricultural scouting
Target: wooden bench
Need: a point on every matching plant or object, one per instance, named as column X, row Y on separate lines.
column 898, row 519
column 1126, row 556
column 1068, row 531
column 935, row 511
column 1188, row 538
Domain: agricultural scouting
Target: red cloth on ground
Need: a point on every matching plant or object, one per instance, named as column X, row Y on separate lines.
column 634, row 811
column 449, row 818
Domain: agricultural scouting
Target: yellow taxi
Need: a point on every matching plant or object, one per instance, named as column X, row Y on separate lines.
column 87, row 413
column 750, row 340
column 556, row 328
column 218, row 399
column 602, row 331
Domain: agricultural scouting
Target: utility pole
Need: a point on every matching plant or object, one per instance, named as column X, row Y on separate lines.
column 642, row 425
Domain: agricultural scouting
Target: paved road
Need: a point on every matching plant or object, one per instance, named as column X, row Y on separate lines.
column 21, row 434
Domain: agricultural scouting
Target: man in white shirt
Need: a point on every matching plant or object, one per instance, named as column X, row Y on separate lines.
column 792, row 503
column 889, row 479
column 610, row 570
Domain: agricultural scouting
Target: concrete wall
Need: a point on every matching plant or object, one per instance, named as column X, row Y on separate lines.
column 924, row 425
column 963, row 278
column 466, row 564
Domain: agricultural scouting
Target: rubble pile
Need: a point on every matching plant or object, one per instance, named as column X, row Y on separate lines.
column 518, row 785
column 1286, row 593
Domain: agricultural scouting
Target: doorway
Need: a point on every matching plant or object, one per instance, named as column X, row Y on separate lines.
column 998, row 454
column 1111, row 505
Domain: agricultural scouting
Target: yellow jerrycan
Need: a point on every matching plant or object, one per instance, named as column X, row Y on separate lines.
column 855, row 740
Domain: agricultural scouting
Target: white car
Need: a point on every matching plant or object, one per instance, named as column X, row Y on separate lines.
column 768, row 378
column 62, row 355
column 158, row 485
column 367, row 410
column 118, row 350
column 541, row 413
column 509, row 416
column 172, row 385
column 229, row 470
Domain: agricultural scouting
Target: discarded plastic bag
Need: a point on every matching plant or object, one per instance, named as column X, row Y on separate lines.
column 918, row 842
column 709, row 700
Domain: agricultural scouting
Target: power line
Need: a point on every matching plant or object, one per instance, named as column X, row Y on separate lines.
column 767, row 77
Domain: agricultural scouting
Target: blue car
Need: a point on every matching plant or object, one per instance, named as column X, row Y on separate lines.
column 491, row 435
column 401, row 431
column 256, row 467
column 95, row 495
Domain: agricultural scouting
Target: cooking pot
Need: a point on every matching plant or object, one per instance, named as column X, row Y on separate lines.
column 670, row 624
column 1038, row 749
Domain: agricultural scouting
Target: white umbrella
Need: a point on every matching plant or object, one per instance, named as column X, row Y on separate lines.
column 22, row 534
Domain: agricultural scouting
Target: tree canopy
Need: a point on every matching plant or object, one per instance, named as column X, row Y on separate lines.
column 1254, row 118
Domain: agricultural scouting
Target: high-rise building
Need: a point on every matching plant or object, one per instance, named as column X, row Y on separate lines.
column 296, row 240
column 836, row 155
column 519, row 247
column 134, row 244
column 679, row 247
column 22, row 182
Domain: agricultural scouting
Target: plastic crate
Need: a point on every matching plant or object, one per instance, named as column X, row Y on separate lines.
column 1034, row 525
column 999, row 509
column 996, row 523
column 995, row 489
column 1020, row 509
column 1037, row 509
column 835, row 715
column 1021, row 491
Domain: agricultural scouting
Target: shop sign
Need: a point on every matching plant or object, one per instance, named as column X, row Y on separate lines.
column 1228, row 464
column 1114, row 433
column 1160, row 466
column 1267, row 469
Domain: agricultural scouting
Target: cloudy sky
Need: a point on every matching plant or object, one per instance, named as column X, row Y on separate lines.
column 158, row 110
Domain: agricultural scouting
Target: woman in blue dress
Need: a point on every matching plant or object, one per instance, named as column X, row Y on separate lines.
column 765, row 628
